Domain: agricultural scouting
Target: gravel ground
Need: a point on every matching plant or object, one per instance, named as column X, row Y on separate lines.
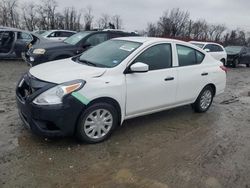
column 171, row 149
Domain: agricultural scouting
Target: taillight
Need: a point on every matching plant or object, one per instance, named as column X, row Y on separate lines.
column 224, row 68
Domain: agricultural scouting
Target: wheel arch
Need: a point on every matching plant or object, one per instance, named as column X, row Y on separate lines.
column 213, row 87
column 111, row 101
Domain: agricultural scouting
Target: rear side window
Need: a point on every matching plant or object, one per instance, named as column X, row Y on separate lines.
column 188, row 56
column 213, row 48
column 157, row 57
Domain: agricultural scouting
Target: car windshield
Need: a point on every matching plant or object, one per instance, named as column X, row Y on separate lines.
column 198, row 45
column 74, row 39
column 233, row 49
column 108, row 54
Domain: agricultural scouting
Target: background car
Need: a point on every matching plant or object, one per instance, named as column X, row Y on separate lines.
column 215, row 50
column 39, row 32
column 14, row 41
column 59, row 35
column 238, row 55
column 74, row 45
column 89, row 95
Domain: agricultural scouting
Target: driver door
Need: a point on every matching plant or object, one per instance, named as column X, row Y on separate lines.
column 156, row 88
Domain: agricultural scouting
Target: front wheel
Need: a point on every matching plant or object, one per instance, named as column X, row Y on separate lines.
column 204, row 100
column 235, row 63
column 97, row 123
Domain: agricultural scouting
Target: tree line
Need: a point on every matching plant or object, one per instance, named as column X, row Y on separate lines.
column 177, row 23
column 45, row 16
column 174, row 23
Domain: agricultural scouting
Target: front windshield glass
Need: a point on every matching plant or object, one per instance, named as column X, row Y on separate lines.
column 198, row 45
column 74, row 39
column 233, row 49
column 108, row 54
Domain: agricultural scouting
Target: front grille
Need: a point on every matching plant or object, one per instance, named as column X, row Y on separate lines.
column 30, row 86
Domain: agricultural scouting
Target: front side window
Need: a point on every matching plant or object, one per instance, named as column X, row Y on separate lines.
column 108, row 54
column 97, row 39
column 188, row 56
column 156, row 57
column 23, row 36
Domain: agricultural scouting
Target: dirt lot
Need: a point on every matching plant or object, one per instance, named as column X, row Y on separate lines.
column 175, row 148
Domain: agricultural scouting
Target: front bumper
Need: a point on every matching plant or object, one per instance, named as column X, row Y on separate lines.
column 51, row 120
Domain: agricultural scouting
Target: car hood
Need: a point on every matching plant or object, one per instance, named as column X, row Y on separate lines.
column 65, row 70
column 53, row 45
column 232, row 53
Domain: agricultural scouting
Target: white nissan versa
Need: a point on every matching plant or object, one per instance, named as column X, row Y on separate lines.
column 89, row 95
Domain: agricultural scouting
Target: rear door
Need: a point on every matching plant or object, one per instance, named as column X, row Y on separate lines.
column 156, row 88
column 23, row 39
column 191, row 74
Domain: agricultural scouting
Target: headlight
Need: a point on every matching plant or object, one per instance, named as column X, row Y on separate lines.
column 39, row 51
column 55, row 95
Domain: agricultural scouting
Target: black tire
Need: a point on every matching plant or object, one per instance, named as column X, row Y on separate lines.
column 197, row 105
column 80, row 132
column 235, row 63
column 248, row 65
column 223, row 61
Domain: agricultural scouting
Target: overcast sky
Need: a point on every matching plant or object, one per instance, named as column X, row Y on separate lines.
column 137, row 13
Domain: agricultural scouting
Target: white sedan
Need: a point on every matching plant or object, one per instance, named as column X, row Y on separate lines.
column 216, row 50
column 123, row 78
column 58, row 35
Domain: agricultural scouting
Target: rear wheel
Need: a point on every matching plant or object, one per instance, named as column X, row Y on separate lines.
column 204, row 100
column 235, row 63
column 248, row 65
column 97, row 123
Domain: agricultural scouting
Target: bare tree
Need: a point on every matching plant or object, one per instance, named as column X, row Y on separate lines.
column 117, row 21
column 30, row 15
column 9, row 14
column 88, row 18
column 103, row 21
column 174, row 22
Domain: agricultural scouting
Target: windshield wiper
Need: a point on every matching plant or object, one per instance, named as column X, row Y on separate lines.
column 86, row 62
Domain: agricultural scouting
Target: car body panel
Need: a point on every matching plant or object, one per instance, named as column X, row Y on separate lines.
column 128, row 89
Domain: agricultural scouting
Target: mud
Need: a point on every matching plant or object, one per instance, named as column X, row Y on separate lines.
column 171, row 149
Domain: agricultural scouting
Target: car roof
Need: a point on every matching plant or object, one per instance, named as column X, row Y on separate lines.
column 61, row 30
column 200, row 42
column 149, row 39
column 11, row 29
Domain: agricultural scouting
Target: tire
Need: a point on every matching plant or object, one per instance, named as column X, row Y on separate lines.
column 93, row 127
column 204, row 100
column 223, row 61
column 248, row 65
column 235, row 63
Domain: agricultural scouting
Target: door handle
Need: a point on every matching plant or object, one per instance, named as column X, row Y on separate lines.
column 169, row 79
column 204, row 74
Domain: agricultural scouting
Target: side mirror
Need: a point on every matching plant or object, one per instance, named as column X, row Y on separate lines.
column 139, row 67
column 207, row 50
